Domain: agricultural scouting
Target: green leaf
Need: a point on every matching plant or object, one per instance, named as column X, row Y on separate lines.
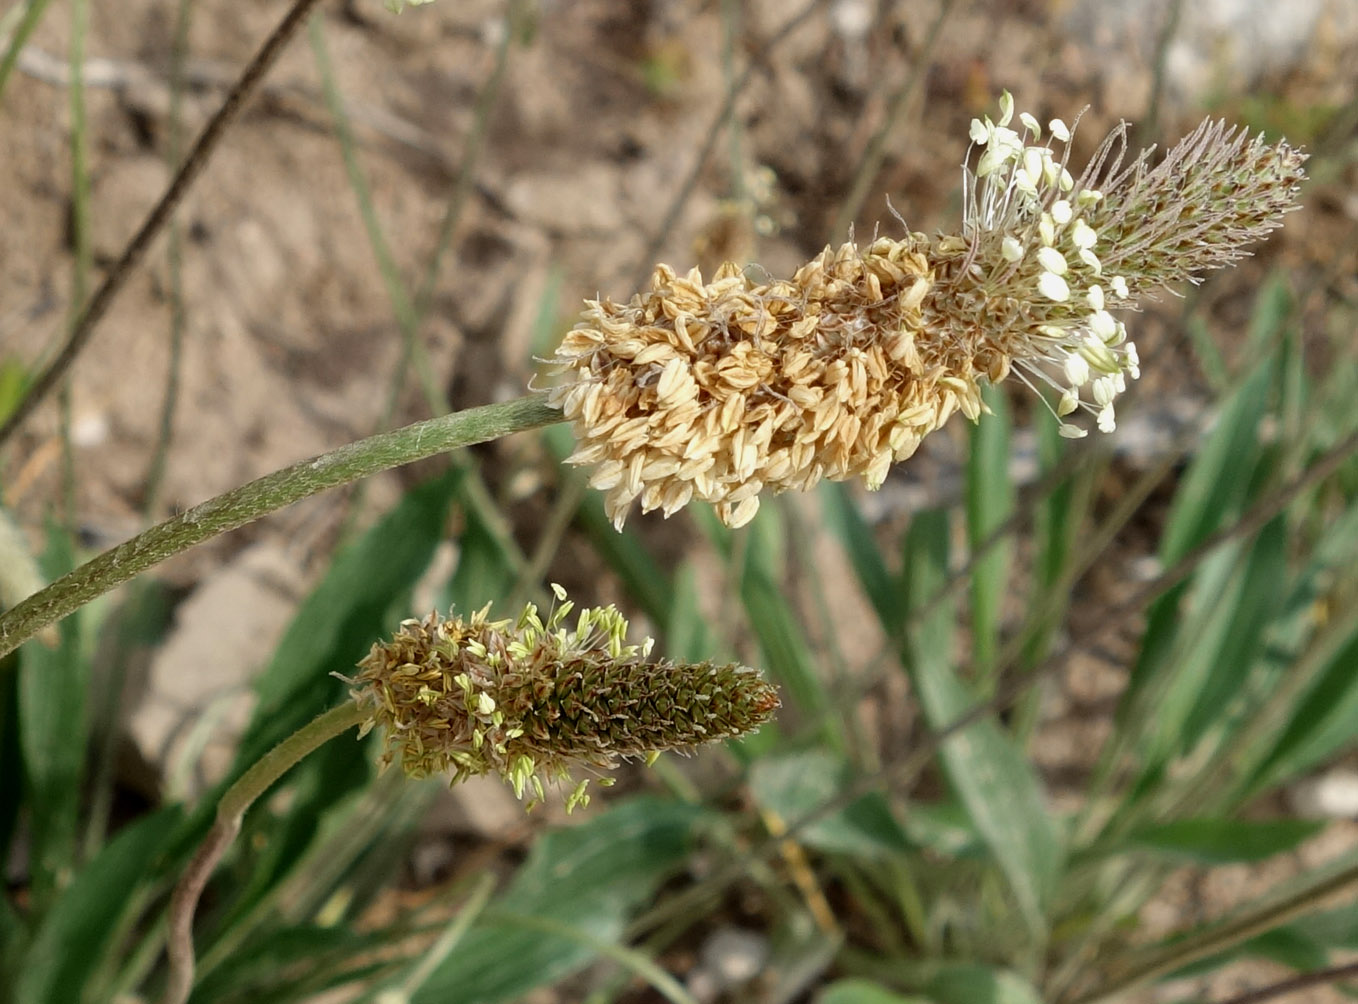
column 1337, row 928
column 75, row 933
column 53, row 735
column 1057, row 520
column 482, row 575
column 591, row 876
column 988, row 772
column 970, row 984
column 14, row 381
column 863, row 992
column 646, row 581
column 794, row 785
column 782, row 638
column 865, row 556
column 945, row 828
column 1231, row 604
column 11, row 758
column 1211, row 494
column 1289, row 946
column 687, row 636
column 1218, row 483
column 989, row 500
column 1323, row 721
column 1223, row 841
column 1272, row 312
column 291, row 963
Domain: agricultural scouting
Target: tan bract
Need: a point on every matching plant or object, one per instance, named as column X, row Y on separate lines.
column 724, row 390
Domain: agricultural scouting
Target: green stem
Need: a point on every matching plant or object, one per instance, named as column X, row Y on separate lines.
column 265, row 495
column 230, row 811
column 1226, row 935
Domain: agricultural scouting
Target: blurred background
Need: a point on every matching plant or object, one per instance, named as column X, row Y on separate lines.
column 412, row 210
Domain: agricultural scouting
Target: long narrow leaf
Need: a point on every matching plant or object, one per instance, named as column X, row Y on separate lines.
column 75, row 933
column 990, row 500
column 591, row 876
column 53, row 735
column 865, row 556
column 992, row 778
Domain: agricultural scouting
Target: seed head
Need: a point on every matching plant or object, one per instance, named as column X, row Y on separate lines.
column 530, row 700
column 724, row 390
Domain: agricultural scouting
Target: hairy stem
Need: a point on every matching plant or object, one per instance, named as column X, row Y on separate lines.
column 160, row 214
column 230, row 811
column 265, row 495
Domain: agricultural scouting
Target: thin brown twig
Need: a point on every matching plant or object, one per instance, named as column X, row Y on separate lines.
column 1290, row 986
column 160, row 214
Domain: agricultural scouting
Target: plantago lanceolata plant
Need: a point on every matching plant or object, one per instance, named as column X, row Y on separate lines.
column 721, row 391
column 526, row 699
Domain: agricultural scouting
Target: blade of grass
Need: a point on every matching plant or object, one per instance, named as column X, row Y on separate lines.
column 1307, row 892
column 989, row 503
column 403, row 305
column 786, row 653
column 1210, row 495
column 870, row 163
column 1222, row 663
column 710, row 137
column 646, row 582
column 865, row 556
column 1322, row 724
column 53, row 733
column 76, row 933
column 31, row 15
column 993, row 780
column 589, row 877
column 1223, row 841
column 446, row 942
column 1059, row 515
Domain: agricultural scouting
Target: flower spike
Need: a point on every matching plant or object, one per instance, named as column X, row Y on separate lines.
column 723, row 390
column 531, row 699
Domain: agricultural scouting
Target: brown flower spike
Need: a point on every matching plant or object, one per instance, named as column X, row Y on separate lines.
column 726, row 389
column 529, row 700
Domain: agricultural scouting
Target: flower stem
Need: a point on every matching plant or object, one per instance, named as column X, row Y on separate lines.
column 265, row 495
column 230, row 811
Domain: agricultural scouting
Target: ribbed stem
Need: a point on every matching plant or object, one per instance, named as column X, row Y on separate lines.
column 265, row 495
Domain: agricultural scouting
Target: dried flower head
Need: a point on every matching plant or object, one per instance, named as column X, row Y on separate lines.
column 723, row 390
column 530, row 699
